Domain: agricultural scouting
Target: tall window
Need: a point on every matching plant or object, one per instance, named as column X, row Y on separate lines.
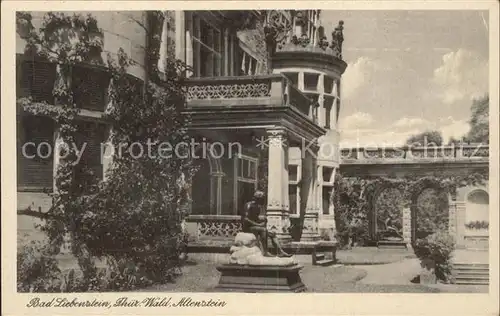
column 327, row 189
column 249, row 65
column 35, row 164
column 246, row 180
column 207, row 48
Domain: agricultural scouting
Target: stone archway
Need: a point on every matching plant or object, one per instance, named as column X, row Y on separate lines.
column 373, row 192
column 429, row 208
column 388, row 204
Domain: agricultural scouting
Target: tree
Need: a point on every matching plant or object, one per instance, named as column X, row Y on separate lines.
column 479, row 124
column 134, row 217
column 426, row 138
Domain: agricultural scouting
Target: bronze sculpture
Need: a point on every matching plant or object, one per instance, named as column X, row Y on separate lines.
column 251, row 223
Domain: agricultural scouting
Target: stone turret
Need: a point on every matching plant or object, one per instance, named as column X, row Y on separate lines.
column 299, row 48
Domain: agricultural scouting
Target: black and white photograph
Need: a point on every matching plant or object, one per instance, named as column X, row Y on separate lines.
column 250, row 151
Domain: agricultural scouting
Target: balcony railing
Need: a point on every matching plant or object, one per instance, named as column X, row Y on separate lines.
column 415, row 154
column 213, row 227
column 264, row 90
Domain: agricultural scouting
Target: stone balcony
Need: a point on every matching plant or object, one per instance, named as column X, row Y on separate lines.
column 398, row 162
column 251, row 101
column 263, row 90
column 403, row 155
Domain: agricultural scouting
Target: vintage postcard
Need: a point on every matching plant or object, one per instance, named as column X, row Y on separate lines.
column 274, row 158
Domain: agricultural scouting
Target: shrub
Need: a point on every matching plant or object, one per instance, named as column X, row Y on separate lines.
column 37, row 269
column 437, row 247
column 477, row 225
column 350, row 212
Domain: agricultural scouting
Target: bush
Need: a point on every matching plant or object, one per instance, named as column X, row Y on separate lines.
column 351, row 214
column 437, row 247
column 37, row 269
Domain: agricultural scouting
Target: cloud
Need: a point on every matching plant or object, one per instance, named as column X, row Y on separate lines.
column 462, row 74
column 450, row 127
column 357, row 120
column 411, row 122
column 357, row 75
column 396, row 134
column 375, row 138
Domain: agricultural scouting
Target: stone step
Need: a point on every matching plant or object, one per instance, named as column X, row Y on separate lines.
column 320, row 256
column 471, row 271
column 478, row 282
column 391, row 246
column 470, row 266
column 325, row 262
column 472, row 277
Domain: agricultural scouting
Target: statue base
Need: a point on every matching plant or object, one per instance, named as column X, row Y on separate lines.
column 255, row 279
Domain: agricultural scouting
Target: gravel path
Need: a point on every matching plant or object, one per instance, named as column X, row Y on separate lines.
column 200, row 275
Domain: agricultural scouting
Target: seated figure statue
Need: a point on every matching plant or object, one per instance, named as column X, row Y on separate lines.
column 251, row 223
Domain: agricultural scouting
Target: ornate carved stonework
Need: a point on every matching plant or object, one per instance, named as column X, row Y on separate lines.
column 337, row 40
column 228, row 91
column 218, row 229
column 276, row 29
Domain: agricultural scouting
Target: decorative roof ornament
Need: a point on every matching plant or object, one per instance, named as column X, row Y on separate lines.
column 276, row 29
column 337, row 39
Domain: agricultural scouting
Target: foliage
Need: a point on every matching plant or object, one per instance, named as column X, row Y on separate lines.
column 355, row 198
column 425, row 139
column 432, row 211
column 479, row 122
column 477, row 225
column 37, row 269
column 389, row 204
column 351, row 211
column 134, row 218
column 437, row 247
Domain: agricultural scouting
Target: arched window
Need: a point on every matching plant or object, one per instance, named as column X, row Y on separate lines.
column 477, row 211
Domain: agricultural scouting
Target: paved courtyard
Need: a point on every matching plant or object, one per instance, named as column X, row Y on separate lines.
column 362, row 270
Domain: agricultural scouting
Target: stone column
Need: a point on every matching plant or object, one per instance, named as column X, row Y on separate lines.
column 310, row 230
column 180, row 35
column 452, row 219
column 407, row 225
column 107, row 149
column 460, row 220
column 277, row 214
column 107, row 153
column 59, row 146
column 226, row 52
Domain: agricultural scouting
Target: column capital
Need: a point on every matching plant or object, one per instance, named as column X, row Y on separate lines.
column 277, row 137
column 277, row 132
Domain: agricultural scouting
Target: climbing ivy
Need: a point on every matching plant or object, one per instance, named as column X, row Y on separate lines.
column 135, row 215
column 355, row 197
column 65, row 41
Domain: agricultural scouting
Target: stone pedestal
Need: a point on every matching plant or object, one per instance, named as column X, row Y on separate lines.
column 310, row 230
column 249, row 270
column 427, row 272
column 254, row 279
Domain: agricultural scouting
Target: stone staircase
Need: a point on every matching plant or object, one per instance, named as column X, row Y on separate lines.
column 471, row 273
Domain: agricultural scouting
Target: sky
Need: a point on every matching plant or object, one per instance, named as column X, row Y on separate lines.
column 409, row 71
